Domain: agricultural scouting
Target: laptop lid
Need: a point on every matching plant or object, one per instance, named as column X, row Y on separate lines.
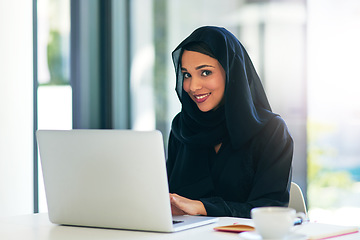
column 107, row 178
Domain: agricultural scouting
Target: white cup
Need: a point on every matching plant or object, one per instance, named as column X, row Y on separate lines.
column 274, row 222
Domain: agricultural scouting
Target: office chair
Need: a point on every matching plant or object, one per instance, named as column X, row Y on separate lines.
column 297, row 201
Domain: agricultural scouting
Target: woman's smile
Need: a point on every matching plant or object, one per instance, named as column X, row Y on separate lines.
column 199, row 98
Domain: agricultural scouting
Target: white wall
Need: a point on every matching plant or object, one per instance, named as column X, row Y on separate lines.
column 16, row 108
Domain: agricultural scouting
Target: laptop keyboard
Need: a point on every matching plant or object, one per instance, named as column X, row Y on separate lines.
column 175, row 222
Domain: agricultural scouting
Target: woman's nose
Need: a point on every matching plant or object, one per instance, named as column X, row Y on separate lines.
column 195, row 84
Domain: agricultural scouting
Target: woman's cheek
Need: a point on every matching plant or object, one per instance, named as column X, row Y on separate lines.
column 186, row 85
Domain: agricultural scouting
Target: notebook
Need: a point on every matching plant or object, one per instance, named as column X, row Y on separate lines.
column 109, row 179
column 317, row 231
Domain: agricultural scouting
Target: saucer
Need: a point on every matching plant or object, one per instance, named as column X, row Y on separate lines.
column 256, row 236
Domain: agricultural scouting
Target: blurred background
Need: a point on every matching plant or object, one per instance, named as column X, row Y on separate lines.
column 107, row 64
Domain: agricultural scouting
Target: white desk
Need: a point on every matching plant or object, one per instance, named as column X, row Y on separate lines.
column 38, row 227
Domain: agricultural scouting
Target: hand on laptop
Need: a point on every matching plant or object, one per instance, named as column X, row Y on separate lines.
column 184, row 206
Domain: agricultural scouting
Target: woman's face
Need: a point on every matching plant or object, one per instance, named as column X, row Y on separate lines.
column 204, row 79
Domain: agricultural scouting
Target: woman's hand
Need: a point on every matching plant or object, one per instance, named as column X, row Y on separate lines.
column 184, row 206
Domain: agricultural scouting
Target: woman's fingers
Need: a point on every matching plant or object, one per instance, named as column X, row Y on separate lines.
column 174, row 209
column 181, row 205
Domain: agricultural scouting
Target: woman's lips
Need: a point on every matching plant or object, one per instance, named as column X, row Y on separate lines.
column 201, row 97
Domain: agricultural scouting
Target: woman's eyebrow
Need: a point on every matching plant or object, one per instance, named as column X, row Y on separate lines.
column 198, row 67
column 204, row 66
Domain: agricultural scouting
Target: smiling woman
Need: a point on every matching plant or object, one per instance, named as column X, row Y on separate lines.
column 228, row 152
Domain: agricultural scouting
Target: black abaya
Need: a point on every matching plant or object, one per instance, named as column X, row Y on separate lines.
column 253, row 165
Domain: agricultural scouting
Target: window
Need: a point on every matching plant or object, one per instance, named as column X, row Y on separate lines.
column 54, row 91
column 334, row 110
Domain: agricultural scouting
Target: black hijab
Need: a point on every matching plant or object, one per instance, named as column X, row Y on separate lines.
column 245, row 109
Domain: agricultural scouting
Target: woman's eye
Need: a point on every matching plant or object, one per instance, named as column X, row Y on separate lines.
column 187, row 75
column 206, row 73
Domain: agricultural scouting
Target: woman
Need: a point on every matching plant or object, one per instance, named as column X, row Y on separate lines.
column 228, row 152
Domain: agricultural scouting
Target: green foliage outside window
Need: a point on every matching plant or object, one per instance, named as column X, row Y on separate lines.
column 55, row 60
column 326, row 186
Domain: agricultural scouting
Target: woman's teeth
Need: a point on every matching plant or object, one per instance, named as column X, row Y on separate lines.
column 202, row 96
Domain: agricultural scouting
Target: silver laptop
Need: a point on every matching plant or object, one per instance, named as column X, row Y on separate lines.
column 109, row 179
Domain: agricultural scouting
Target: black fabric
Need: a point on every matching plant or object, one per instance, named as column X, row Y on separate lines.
column 253, row 166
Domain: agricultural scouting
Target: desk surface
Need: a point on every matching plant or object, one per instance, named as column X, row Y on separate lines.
column 38, row 227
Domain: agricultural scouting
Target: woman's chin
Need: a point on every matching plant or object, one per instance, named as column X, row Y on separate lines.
column 204, row 108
